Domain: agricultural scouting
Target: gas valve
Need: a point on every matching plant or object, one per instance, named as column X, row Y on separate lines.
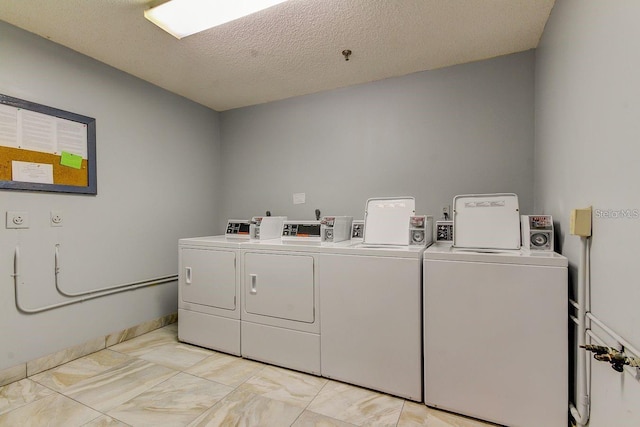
column 608, row 354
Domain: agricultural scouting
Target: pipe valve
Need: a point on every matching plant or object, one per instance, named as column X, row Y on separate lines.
column 608, row 354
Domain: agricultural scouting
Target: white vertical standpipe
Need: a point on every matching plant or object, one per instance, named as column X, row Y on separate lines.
column 581, row 412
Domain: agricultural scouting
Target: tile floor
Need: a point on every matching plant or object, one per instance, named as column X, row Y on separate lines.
column 154, row 380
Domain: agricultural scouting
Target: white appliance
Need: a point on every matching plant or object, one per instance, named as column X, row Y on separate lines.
column 209, row 291
column 495, row 335
column 486, row 221
column 280, row 293
column 279, row 323
column 334, row 229
column 371, row 311
column 537, row 232
column 266, row 227
column 370, row 303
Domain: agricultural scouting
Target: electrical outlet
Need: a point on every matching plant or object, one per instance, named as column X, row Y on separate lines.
column 17, row 219
column 446, row 211
column 56, row 218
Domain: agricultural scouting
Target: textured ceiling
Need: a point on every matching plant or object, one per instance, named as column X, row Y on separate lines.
column 290, row 49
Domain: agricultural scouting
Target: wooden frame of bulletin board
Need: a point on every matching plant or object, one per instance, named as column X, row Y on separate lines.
column 46, row 149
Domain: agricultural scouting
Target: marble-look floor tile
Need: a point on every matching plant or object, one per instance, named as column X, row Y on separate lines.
column 146, row 343
column 64, row 376
column 111, row 388
column 311, row 419
column 417, row 414
column 455, row 420
column 246, row 409
column 225, row 369
column 175, row 402
column 21, row 393
column 357, row 405
column 105, row 421
column 177, row 356
column 54, row 410
column 287, row 386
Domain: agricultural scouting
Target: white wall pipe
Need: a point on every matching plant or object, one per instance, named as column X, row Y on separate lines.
column 596, row 338
column 155, row 280
column 16, row 276
column 580, row 411
column 628, row 348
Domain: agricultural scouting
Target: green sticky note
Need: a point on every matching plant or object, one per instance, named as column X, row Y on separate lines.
column 71, row 160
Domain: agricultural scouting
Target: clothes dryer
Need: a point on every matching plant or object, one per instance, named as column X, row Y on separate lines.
column 209, row 292
column 495, row 335
column 280, row 321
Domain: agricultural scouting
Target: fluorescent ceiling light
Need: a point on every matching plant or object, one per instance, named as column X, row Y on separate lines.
column 181, row 18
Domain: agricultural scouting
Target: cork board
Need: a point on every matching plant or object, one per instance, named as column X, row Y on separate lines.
column 46, row 149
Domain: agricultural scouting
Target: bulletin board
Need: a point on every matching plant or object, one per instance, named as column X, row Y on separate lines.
column 46, row 149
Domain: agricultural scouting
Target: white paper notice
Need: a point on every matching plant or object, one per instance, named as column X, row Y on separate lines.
column 299, row 198
column 29, row 130
column 8, row 126
column 32, row 172
column 38, row 131
column 72, row 137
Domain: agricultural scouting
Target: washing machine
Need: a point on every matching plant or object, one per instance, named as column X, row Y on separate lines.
column 371, row 330
column 370, row 302
column 209, row 284
column 495, row 334
column 280, row 321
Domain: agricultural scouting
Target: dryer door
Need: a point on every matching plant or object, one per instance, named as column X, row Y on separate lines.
column 208, row 277
column 280, row 286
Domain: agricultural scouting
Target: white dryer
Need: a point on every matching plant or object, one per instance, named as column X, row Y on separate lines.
column 280, row 293
column 209, row 283
column 495, row 335
column 209, row 292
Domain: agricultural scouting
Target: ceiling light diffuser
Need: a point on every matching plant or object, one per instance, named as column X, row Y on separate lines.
column 181, row 18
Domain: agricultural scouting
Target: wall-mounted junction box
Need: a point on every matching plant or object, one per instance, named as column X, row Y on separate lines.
column 580, row 222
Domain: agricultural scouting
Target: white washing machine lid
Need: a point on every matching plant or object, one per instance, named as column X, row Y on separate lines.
column 386, row 220
column 446, row 252
column 486, row 221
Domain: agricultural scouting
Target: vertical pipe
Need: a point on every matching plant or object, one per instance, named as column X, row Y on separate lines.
column 581, row 411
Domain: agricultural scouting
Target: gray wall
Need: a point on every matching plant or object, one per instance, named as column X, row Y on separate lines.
column 431, row 135
column 158, row 179
column 587, row 151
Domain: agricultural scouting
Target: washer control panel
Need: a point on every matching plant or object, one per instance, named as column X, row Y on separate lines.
column 444, row 231
column 357, row 230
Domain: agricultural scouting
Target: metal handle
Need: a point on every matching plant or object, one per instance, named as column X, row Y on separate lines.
column 187, row 278
column 254, row 279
